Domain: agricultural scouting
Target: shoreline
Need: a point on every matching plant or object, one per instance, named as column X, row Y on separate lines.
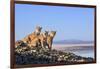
column 72, row 45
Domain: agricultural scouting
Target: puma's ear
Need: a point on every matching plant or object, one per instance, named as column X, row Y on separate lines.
column 47, row 32
column 54, row 32
column 40, row 27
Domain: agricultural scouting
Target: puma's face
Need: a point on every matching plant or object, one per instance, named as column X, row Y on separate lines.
column 52, row 33
column 46, row 33
column 38, row 29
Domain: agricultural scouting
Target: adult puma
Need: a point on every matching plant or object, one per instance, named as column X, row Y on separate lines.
column 33, row 36
column 50, row 39
column 44, row 39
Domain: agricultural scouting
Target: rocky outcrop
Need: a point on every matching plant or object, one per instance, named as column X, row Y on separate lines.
column 26, row 55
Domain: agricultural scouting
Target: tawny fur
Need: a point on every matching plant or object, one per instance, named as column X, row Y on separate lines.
column 32, row 39
column 39, row 39
column 50, row 38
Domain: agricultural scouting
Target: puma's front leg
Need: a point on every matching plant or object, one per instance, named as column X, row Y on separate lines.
column 50, row 45
column 42, row 44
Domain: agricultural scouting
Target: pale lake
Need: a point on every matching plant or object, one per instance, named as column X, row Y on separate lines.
column 85, row 50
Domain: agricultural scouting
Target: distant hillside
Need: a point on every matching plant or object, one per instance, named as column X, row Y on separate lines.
column 72, row 42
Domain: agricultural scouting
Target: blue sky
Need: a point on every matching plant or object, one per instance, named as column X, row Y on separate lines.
column 69, row 22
